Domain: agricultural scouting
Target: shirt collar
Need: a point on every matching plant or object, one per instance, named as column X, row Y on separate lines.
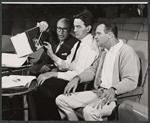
column 116, row 47
column 87, row 39
column 61, row 42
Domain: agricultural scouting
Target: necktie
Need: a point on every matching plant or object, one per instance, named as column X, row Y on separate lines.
column 97, row 80
column 58, row 47
column 78, row 45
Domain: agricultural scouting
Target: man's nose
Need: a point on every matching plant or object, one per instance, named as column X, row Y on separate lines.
column 61, row 31
column 75, row 29
column 95, row 37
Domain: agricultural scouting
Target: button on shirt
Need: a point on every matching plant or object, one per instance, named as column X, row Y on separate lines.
column 107, row 71
column 85, row 56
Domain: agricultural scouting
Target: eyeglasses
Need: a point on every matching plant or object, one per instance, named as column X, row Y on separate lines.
column 62, row 29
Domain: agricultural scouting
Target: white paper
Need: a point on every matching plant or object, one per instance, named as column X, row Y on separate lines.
column 16, row 80
column 12, row 60
column 21, row 44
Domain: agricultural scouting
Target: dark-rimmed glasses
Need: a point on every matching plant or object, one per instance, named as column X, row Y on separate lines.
column 62, row 29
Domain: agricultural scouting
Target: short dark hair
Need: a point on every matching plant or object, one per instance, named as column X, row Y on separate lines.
column 86, row 16
column 110, row 26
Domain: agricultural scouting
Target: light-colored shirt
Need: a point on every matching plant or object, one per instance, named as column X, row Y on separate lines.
column 85, row 56
column 107, row 71
column 125, row 72
column 58, row 47
column 140, row 11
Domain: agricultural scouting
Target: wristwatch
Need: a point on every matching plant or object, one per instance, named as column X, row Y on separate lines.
column 115, row 90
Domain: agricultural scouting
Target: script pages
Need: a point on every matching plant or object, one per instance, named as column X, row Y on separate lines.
column 16, row 81
column 27, row 42
column 12, row 60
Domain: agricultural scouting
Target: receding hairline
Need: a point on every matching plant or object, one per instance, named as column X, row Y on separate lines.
column 64, row 20
column 101, row 25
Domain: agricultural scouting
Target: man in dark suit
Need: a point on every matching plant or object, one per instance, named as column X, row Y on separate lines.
column 139, row 11
column 61, row 45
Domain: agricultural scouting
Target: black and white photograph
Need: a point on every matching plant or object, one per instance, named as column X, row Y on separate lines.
column 74, row 61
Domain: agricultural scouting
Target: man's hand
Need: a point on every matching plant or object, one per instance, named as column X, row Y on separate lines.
column 44, row 68
column 49, row 48
column 44, row 76
column 72, row 85
column 97, row 105
column 108, row 95
column 43, row 25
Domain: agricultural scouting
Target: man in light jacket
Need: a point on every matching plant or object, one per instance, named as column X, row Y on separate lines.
column 116, row 71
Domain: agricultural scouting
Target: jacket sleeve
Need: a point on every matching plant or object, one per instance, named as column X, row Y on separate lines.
column 84, row 60
column 129, row 69
column 89, row 73
column 65, row 64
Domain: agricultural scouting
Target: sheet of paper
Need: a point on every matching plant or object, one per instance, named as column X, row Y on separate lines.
column 16, row 80
column 12, row 60
column 21, row 44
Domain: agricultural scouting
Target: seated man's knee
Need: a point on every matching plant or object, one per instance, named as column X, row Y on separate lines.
column 91, row 114
column 87, row 111
column 59, row 99
column 107, row 109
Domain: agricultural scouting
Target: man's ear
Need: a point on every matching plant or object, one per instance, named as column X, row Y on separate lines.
column 111, row 35
column 89, row 28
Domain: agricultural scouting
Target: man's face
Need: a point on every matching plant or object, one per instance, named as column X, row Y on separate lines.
column 80, row 29
column 101, row 37
column 62, row 31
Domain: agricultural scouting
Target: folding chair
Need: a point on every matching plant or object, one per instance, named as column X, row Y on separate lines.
column 140, row 46
column 7, row 46
column 119, row 25
column 143, row 36
column 142, row 20
column 145, row 27
column 121, row 19
column 132, row 111
column 135, row 27
column 127, row 34
column 100, row 19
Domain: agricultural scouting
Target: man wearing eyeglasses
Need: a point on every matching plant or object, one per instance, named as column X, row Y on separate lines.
column 61, row 44
column 51, row 84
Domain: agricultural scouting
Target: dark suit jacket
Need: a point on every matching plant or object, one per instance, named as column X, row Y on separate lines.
column 62, row 53
column 134, row 12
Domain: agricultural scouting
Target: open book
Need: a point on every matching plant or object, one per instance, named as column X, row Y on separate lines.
column 16, row 81
column 26, row 43
column 12, row 60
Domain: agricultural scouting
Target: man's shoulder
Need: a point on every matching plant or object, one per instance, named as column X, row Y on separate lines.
column 72, row 38
column 126, row 49
column 71, row 41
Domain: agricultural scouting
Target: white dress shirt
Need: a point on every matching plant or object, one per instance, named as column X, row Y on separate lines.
column 58, row 47
column 140, row 12
column 107, row 71
column 85, row 56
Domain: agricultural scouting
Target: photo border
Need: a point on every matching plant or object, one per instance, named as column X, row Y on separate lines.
column 62, row 1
